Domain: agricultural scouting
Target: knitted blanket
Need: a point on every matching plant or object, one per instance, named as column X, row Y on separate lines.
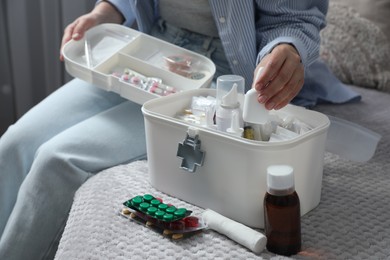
column 351, row 222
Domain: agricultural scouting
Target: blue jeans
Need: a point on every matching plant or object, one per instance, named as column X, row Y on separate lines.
column 76, row 132
column 54, row 148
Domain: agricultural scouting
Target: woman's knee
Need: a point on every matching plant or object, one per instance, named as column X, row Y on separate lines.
column 17, row 141
column 54, row 165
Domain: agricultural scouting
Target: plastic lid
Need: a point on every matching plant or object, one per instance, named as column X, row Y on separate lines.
column 224, row 86
column 230, row 100
column 280, row 179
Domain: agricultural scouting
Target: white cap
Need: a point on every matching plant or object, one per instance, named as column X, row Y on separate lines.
column 280, row 179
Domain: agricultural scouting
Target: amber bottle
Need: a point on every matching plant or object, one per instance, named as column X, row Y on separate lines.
column 282, row 212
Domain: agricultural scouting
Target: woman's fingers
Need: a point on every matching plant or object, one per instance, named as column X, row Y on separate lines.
column 282, row 77
column 102, row 13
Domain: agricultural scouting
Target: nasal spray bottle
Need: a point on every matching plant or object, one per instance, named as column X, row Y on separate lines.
column 230, row 94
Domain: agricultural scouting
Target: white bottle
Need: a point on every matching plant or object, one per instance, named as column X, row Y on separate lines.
column 254, row 112
column 228, row 106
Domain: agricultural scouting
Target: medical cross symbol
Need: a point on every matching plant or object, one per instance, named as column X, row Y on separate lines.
column 190, row 153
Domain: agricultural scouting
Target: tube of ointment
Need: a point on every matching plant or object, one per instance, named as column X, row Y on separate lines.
column 238, row 232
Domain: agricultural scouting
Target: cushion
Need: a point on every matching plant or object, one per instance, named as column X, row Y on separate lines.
column 355, row 48
column 376, row 11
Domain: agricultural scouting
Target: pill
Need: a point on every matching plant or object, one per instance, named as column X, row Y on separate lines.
column 163, row 206
column 177, row 236
column 167, row 232
column 126, row 211
column 148, row 198
column 191, row 221
column 177, row 225
column 144, row 206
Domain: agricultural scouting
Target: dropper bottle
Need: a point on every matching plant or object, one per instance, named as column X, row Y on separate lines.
column 282, row 218
column 228, row 89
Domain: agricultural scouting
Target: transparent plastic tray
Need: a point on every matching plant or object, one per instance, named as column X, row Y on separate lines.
column 108, row 50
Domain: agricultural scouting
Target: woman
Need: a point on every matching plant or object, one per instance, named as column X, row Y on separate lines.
column 80, row 130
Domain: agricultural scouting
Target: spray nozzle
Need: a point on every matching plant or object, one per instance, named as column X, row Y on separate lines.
column 230, row 100
column 235, row 125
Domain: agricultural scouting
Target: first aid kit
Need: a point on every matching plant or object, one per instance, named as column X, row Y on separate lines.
column 196, row 163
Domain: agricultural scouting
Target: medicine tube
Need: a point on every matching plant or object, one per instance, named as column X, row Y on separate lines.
column 282, row 218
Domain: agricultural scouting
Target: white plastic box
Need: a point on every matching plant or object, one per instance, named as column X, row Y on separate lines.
column 109, row 47
column 232, row 179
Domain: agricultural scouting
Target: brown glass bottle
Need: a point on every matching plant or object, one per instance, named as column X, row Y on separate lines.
column 282, row 218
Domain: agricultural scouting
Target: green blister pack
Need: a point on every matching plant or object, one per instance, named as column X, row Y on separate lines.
column 156, row 209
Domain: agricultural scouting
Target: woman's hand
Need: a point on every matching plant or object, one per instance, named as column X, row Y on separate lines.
column 282, row 77
column 102, row 13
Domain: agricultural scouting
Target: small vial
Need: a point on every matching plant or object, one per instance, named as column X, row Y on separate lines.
column 282, row 218
column 230, row 90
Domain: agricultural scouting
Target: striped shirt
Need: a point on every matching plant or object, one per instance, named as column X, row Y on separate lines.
column 249, row 29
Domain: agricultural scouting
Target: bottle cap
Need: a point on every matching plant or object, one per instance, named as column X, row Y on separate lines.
column 280, row 179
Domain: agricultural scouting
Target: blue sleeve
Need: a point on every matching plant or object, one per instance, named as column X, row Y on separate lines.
column 295, row 22
column 123, row 6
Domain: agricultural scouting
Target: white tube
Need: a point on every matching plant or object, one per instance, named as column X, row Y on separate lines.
column 238, row 232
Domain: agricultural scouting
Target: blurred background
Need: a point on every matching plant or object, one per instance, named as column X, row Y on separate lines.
column 30, row 38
